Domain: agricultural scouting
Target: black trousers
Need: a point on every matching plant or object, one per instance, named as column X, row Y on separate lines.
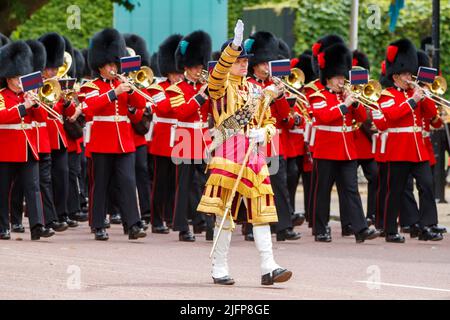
column 27, row 173
column 278, row 180
column 123, row 167
column 294, row 171
column 83, row 178
column 60, row 181
column 74, row 196
column 370, row 170
column 143, row 181
column 164, row 188
column 188, row 193
column 409, row 211
column 345, row 175
column 397, row 179
column 45, row 186
column 440, row 145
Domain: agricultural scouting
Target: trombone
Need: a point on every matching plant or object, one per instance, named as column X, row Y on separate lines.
column 435, row 90
column 294, row 82
column 48, row 95
column 367, row 94
column 142, row 78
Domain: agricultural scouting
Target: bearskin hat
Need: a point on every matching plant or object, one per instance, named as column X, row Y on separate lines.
column 79, row 63
column 401, row 56
column 54, row 46
column 360, row 60
column 264, row 46
column 336, row 60
column 166, row 55
column 106, row 46
column 4, row 40
column 193, row 50
column 87, row 73
column 39, row 54
column 154, row 65
column 423, row 59
column 303, row 62
column 284, row 52
column 16, row 59
column 139, row 46
column 321, row 45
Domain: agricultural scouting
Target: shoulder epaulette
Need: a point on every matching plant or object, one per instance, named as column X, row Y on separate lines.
column 386, row 92
column 91, row 85
column 318, row 93
column 157, row 87
column 312, row 85
column 176, row 89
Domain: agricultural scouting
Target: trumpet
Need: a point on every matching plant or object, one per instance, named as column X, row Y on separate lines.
column 367, row 94
column 48, row 95
column 434, row 90
column 137, row 78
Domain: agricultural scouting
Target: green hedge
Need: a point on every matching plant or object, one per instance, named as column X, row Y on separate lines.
column 95, row 15
column 316, row 18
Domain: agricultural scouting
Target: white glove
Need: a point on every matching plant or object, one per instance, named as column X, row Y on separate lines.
column 259, row 135
column 238, row 33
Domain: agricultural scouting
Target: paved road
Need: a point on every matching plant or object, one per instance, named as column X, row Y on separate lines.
column 161, row 267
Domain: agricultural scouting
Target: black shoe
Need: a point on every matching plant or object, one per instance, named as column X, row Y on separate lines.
column 79, row 216
column 323, row 237
column 298, row 219
column 382, row 232
column 5, row 235
column 366, row 234
column 413, row 230
column 142, row 224
column 39, row 231
column 329, row 230
column 100, row 234
column 347, row 231
column 288, row 234
column 84, row 209
column 227, row 281
column 17, row 228
column 395, row 238
column 438, row 229
column 160, row 229
column 370, row 220
column 58, row 226
column 209, row 234
column 107, row 223
column 199, row 228
column 71, row 223
column 426, row 234
column 186, row 236
column 277, row 275
column 115, row 218
column 249, row 237
column 136, row 232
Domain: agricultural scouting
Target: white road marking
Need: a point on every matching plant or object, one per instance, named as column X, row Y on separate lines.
column 402, row 286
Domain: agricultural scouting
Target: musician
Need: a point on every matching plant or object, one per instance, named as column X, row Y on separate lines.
column 334, row 109
column 19, row 154
column 190, row 105
column 111, row 144
column 363, row 140
column 159, row 144
column 139, row 45
column 229, row 91
column 264, row 46
column 404, row 107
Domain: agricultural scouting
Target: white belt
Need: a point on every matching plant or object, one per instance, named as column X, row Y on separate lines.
column 334, row 128
column 404, row 130
column 426, row 134
column 18, row 126
column 111, row 119
column 164, row 120
column 193, row 125
column 38, row 124
column 297, row 131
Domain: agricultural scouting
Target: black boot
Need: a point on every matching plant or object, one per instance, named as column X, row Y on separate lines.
column 58, row 226
column 366, row 234
column 426, row 234
column 40, row 231
column 101, row 235
column 288, row 234
column 17, row 228
column 395, row 238
column 136, row 232
column 186, row 236
column 5, row 235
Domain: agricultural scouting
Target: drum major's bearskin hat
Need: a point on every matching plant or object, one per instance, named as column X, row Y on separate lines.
column 264, row 46
column 401, row 56
column 106, row 46
column 321, row 45
column 193, row 50
column 336, row 60
column 139, row 46
column 54, row 46
column 360, row 60
column 166, row 55
column 16, row 59
column 39, row 54
column 79, row 63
